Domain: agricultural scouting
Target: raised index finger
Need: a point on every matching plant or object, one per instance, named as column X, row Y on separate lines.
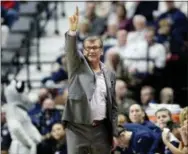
column 77, row 11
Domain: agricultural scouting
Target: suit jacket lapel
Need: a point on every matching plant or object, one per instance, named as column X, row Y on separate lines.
column 106, row 74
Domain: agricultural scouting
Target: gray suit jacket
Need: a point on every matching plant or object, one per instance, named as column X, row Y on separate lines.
column 81, row 88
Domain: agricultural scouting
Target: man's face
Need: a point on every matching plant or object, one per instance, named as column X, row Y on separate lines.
column 146, row 96
column 136, row 114
column 162, row 118
column 93, row 51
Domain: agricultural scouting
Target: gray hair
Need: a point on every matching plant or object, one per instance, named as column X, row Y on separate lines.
column 93, row 38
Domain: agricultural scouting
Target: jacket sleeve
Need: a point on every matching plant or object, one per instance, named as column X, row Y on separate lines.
column 144, row 145
column 114, row 108
column 73, row 56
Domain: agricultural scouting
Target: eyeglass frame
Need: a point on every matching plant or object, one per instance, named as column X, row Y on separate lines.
column 98, row 47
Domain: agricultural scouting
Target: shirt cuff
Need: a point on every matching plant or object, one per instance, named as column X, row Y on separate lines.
column 72, row 33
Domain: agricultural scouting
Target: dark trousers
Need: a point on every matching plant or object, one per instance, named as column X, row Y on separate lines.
column 86, row 139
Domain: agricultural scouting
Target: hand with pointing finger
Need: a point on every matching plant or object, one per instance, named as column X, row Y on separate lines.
column 73, row 21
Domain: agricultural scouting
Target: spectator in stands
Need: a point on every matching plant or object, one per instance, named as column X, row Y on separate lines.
column 56, row 143
column 114, row 62
column 147, row 96
column 122, row 42
column 137, row 115
column 95, row 21
column 61, row 74
column 123, row 22
column 36, row 109
column 136, row 141
column 171, row 25
column 146, row 57
column 47, row 117
column 104, row 8
column 83, row 32
column 59, row 71
column 9, row 12
column 5, row 134
column 164, row 116
column 167, row 96
column 156, row 51
column 122, row 98
column 139, row 22
column 183, row 146
column 109, row 38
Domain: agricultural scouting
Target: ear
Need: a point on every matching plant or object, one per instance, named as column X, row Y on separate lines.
column 102, row 52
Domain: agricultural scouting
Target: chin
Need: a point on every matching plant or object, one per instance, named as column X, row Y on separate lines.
column 92, row 60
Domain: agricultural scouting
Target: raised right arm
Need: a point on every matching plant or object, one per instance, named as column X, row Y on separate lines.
column 73, row 57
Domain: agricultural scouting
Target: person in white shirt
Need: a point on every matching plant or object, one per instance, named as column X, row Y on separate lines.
column 121, row 42
column 139, row 23
column 145, row 56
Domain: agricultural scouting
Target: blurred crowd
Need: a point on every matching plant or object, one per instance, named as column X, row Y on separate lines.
column 146, row 45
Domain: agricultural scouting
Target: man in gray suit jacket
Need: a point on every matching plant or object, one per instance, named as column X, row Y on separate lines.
column 90, row 114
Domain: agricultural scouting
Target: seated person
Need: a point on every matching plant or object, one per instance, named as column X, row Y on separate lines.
column 137, row 115
column 56, row 143
column 171, row 24
column 59, row 71
column 135, row 141
column 147, row 96
column 183, row 146
column 167, row 96
column 156, row 136
column 109, row 38
column 48, row 116
column 123, row 98
column 163, row 116
column 43, row 94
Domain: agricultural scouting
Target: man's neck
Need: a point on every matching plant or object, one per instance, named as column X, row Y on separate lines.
column 95, row 67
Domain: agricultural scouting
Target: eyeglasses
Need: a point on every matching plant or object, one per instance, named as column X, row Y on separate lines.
column 94, row 48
